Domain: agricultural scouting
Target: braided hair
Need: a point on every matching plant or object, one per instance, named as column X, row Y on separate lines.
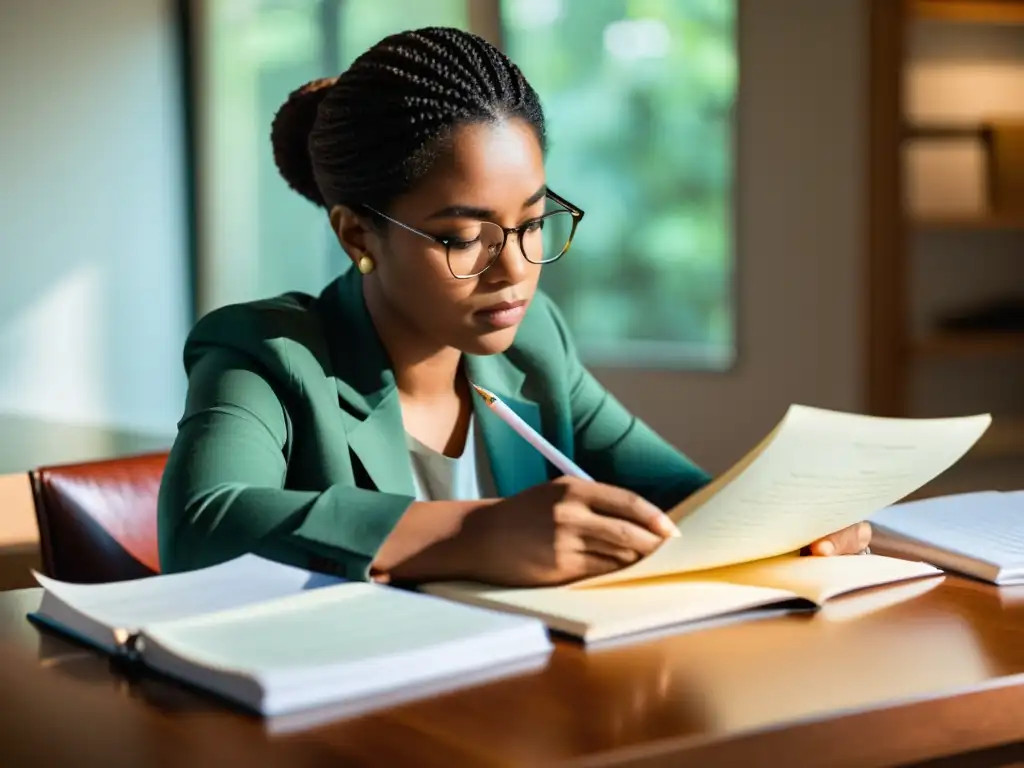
column 368, row 135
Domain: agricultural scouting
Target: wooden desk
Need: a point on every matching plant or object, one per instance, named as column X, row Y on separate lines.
column 19, row 532
column 939, row 674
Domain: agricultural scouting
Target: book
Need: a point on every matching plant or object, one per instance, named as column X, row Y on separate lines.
column 817, row 472
column 976, row 534
column 692, row 600
column 279, row 640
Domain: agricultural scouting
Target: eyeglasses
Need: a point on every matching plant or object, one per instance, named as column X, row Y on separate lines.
column 542, row 240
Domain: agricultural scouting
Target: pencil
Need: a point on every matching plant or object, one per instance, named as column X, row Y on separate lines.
column 530, row 435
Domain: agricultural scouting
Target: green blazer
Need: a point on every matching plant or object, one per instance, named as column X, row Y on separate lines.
column 291, row 445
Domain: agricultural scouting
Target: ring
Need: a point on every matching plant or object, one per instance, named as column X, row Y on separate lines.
column 865, row 551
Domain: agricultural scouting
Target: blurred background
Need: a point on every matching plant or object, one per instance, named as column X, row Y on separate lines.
column 787, row 201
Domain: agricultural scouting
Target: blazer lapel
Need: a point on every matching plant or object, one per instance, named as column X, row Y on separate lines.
column 378, row 441
column 372, row 413
column 515, row 464
column 367, row 394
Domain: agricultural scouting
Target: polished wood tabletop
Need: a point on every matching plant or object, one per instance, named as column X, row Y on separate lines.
column 890, row 676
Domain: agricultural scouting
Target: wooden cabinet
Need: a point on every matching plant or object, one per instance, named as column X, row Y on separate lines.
column 946, row 217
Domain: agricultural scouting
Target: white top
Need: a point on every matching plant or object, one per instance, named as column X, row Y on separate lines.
column 437, row 477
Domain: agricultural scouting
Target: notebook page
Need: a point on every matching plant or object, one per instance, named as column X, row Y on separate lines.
column 595, row 614
column 874, row 601
column 986, row 526
column 132, row 604
column 819, row 579
column 298, row 641
column 822, row 471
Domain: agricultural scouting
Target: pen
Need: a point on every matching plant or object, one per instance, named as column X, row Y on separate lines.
column 546, row 449
column 530, row 435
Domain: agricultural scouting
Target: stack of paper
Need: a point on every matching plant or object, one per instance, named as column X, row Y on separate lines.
column 818, row 472
column 278, row 639
column 977, row 534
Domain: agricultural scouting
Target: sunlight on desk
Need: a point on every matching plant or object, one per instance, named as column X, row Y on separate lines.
column 879, row 657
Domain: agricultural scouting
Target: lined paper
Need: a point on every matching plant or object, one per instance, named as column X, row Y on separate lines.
column 986, row 527
column 129, row 605
column 821, row 472
column 350, row 623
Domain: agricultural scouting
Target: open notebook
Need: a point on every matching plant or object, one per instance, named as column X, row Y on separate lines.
column 977, row 534
column 817, row 472
column 279, row 640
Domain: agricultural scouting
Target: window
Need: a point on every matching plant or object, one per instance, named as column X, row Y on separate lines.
column 258, row 238
column 362, row 23
column 639, row 97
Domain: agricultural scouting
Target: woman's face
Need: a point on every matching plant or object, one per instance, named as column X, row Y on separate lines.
column 491, row 173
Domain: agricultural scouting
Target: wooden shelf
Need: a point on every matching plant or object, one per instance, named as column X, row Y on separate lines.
column 936, row 130
column 948, row 345
column 969, row 11
column 991, row 222
column 893, row 356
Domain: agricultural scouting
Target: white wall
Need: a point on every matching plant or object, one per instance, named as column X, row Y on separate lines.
column 800, row 220
column 93, row 301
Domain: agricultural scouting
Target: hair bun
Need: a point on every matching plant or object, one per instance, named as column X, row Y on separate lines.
column 369, row 135
column 289, row 137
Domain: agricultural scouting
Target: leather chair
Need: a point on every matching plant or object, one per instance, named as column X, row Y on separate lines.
column 97, row 520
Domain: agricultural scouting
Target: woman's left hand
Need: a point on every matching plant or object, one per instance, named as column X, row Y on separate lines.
column 849, row 541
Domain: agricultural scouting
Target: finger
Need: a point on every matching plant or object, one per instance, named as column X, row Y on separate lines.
column 864, row 534
column 849, row 540
column 617, row 532
column 619, row 502
column 598, row 565
column 826, row 547
column 844, row 542
column 623, row 555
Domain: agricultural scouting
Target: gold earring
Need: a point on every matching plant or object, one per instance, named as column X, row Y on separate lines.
column 365, row 265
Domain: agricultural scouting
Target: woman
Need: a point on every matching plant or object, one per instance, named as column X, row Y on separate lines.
column 338, row 432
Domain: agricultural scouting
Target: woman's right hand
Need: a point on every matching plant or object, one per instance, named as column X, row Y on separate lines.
column 562, row 531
